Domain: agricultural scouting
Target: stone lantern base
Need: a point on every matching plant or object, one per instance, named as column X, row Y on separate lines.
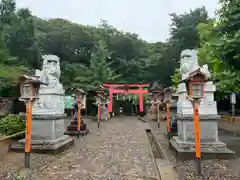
column 72, row 128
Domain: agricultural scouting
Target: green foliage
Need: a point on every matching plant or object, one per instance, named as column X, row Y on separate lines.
column 228, row 33
column 219, row 47
column 134, row 98
column 16, row 44
column 99, row 70
column 9, row 75
column 12, row 124
column 176, row 77
column 185, row 35
column 184, row 28
column 89, row 55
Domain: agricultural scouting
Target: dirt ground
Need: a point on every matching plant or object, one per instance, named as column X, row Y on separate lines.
column 119, row 150
column 212, row 169
column 233, row 127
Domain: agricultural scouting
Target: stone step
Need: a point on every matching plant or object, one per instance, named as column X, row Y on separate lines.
column 44, row 147
column 74, row 122
column 73, row 133
column 74, row 127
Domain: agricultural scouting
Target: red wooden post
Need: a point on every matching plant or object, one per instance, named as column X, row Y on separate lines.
column 110, row 100
column 99, row 115
column 140, row 98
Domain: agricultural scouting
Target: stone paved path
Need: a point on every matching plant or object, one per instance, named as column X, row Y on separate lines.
column 118, row 151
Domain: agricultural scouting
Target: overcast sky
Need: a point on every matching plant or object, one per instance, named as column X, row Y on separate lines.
column 148, row 18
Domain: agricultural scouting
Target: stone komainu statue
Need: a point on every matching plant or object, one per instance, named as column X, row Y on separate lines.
column 189, row 63
column 50, row 73
column 51, row 93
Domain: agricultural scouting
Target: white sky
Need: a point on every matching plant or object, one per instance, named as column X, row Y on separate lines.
column 148, row 18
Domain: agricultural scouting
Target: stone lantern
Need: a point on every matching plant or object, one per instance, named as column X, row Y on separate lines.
column 29, row 88
column 79, row 95
column 168, row 94
column 195, row 85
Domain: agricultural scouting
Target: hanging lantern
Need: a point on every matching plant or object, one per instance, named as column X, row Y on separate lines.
column 26, row 90
column 156, row 95
column 195, row 85
column 29, row 87
column 168, row 94
column 100, row 95
column 79, row 95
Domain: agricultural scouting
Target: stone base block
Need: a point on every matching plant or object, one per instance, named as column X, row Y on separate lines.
column 208, row 127
column 73, row 126
column 44, row 146
column 209, row 150
column 73, row 133
column 47, row 127
column 83, row 127
column 72, row 129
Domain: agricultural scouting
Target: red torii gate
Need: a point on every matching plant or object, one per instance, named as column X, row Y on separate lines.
column 140, row 91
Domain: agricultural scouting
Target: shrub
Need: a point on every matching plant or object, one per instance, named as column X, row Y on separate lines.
column 11, row 124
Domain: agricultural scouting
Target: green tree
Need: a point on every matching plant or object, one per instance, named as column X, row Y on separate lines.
column 90, row 55
column 176, row 77
column 184, row 28
column 99, row 70
column 184, row 34
column 228, row 32
column 9, row 68
column 219, row 47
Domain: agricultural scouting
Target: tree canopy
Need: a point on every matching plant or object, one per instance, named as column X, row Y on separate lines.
column 93, row 55
column 219, row 47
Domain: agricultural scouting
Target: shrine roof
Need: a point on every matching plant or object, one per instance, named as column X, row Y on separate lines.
column 80, row 90
column 170, row 88
column 195, row 73
column 31, row 79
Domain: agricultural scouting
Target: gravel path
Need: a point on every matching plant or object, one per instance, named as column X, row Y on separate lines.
column 119, row 150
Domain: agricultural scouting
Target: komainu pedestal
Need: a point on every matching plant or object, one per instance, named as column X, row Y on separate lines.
column 48, row 116
column 184, row 144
